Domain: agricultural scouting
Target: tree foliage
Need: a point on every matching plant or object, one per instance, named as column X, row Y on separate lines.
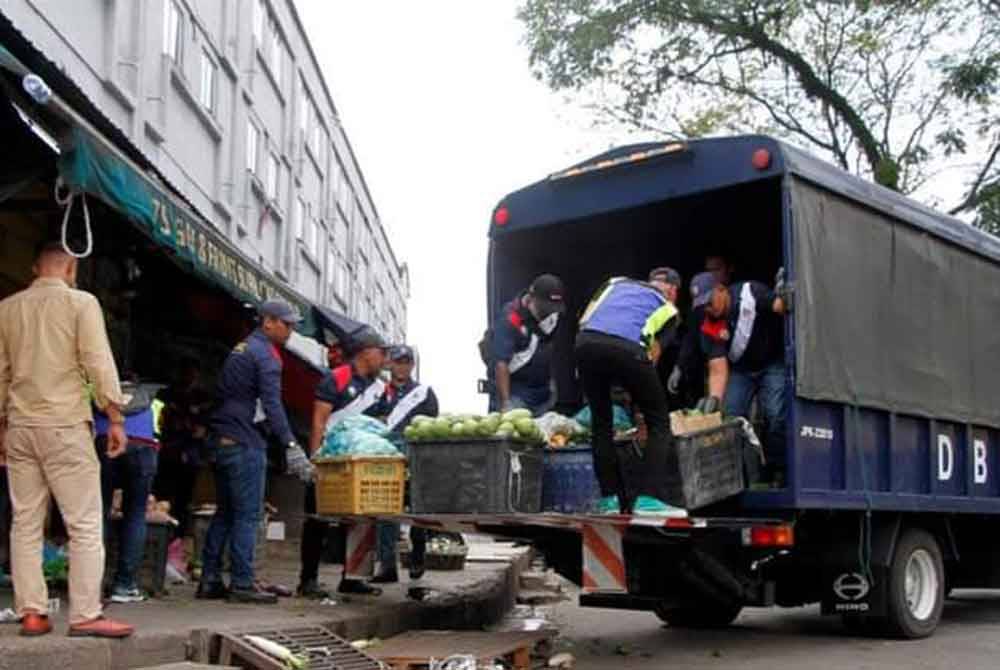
column 900, row 91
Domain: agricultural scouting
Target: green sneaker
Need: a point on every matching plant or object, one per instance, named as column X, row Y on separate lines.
column 608, row 505
column 650, row 506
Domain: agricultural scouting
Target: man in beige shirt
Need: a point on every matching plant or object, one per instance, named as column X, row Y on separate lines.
column 52, row 344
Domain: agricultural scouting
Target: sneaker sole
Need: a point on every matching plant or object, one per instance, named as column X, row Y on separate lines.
column 123, row 600
column 109, row 636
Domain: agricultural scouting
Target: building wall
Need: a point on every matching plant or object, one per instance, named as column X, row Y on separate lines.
column 225, row 97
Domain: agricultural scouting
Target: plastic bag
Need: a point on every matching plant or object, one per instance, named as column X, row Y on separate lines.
column 360, row 423
column 356, row 443
column 553, row 423
column 621, row 420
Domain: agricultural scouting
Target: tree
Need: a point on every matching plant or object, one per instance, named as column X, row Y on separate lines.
column 900, row 91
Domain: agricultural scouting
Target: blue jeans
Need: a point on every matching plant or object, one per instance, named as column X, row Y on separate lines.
column 240, row 473
column 133, row 472
column 769, row 387
column 388, row 538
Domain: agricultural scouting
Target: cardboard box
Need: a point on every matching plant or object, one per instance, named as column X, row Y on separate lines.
column 682, row 424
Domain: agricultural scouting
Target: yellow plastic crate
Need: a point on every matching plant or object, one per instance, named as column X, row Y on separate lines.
column 360, row 485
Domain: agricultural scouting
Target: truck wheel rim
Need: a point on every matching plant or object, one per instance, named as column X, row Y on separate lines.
column 921, row 584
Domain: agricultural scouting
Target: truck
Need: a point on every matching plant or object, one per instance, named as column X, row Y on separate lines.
column 892, row 489
column 892, row 360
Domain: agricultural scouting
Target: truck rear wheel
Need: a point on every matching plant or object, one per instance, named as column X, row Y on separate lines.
column 709, row 615
column 916, row 586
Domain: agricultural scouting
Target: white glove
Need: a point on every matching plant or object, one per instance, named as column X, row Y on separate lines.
column 674, row 380
column 299, row 464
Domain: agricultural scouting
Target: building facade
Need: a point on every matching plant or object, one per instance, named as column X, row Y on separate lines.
column 226, row 99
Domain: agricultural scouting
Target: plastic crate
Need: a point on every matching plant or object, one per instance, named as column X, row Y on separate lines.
column 486, row 476
column 152, row 572
column 360, row 485
column 569, row 485
column 710, row 463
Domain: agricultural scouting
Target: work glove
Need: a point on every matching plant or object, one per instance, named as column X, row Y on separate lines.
column 674, row 380
column 298, row 463
column 782, row 289
column 709, row 405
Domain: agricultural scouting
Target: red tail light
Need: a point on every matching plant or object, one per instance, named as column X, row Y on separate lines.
column 761, row 159
column 769, row 536
column 501, row 216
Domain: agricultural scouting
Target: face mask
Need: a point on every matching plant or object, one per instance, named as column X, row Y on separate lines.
column 549, row 323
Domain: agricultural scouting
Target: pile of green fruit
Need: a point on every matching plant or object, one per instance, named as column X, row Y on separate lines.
column 516, row 424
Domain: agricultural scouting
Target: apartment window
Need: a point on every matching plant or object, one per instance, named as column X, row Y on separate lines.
column 259, row 16
column 173, row 31
column 305, row 110
column 275, row 56
column 273, row 174
column 313, row 237
column 298, row 216
column 317, row 140
column 253, row 141
column 209, row 73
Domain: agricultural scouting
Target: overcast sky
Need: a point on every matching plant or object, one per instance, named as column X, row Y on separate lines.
column 445, row 119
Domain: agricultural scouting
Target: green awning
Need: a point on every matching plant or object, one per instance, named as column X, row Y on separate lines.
column 165, row 218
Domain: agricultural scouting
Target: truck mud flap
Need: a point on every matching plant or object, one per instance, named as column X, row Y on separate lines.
column 855, row 567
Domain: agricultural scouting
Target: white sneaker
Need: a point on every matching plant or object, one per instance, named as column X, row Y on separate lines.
column 132, row 595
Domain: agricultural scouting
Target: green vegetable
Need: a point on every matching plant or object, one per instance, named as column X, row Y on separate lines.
column 525, row 427
column 421, row 420
column 291, row 661
column 515, row 414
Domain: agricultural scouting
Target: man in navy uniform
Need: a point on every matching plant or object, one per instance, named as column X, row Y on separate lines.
column 404, row 398
column 347, row 391
column 251, row 373
column 521, row 347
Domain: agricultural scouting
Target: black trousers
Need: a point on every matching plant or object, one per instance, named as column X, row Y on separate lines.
column 318, row 538
column 605, row 361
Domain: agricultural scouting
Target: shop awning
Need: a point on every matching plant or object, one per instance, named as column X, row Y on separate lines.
column 91, row 162
column 88, row 167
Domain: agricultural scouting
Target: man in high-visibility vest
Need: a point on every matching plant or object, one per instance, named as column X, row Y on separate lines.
column 347, row 391
column 622, row 335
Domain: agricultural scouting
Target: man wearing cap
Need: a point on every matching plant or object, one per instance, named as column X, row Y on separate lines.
column 404, row 398
column 252, row 372
column 521, row 349
column 742, row 335
column 347, row 391
column 622, row 335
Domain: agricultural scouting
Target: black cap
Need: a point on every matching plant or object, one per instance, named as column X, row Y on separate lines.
column 367, row 338
column 401, row 352
column 548, row 292
column 701, row 288
column 665, row 274
column 281, row 310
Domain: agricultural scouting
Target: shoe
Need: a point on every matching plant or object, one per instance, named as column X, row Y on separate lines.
column 132, row 595
column 650, row 506
column 416, row 570
column 385, row 578
column 313, row 590
column 34, row 625
column 101, row 627
column 216, row 591
column 608, row 505
column 359, row 588
column 251, row 596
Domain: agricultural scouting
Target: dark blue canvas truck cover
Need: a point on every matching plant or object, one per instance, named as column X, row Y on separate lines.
column 894, row 341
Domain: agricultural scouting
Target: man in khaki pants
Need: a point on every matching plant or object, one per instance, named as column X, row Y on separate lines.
column 52, row 343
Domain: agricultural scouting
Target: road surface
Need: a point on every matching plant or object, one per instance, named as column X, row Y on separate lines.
column 775, row 639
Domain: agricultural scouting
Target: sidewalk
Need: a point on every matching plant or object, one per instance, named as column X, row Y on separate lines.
column 171, row 628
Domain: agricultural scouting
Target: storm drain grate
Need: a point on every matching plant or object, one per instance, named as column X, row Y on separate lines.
column 325, row 650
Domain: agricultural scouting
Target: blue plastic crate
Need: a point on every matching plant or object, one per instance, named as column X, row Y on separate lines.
column 569, row 485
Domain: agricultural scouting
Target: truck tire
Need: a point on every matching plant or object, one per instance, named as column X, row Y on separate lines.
column 709, row 615
column 916, row 586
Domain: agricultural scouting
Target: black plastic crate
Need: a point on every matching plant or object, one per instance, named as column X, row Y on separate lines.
column 152, row 572
column 711, row 465
column 488, row 476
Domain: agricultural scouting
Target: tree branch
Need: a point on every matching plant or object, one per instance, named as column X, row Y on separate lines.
column 974, row 196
